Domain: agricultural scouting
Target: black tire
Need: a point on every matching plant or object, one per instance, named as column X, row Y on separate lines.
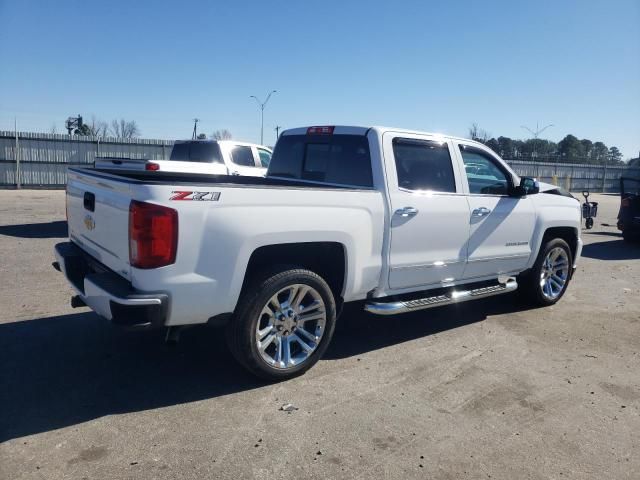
column 241, row 330
column 529, row 283
column 589, row 223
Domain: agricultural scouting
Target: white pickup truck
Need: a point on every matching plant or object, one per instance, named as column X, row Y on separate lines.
column 388, row 218
column 213, row 157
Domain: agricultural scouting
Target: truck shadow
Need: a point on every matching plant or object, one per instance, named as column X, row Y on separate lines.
column 612, row 250
column 69, row 369
column 57, row 229
column 365, row 332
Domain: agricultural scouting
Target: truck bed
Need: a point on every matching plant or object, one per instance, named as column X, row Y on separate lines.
column 175, row 178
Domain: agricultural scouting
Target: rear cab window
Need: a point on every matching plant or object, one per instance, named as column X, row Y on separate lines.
column 332, row 159
column 196, row 151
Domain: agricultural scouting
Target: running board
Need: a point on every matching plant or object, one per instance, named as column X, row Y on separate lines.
column 455, row 296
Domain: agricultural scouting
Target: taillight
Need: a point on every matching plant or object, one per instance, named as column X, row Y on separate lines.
column 152, row 167
column 320, row 130
column 153, row 235
column 625, row 202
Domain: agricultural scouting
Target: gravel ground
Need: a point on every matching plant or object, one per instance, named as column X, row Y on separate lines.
column 482, row 390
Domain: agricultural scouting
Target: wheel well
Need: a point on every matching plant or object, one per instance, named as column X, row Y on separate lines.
column 327, row 259
column 568, row 234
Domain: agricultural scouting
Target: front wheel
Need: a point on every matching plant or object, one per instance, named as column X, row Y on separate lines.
column 283, row 324
column 549, row 278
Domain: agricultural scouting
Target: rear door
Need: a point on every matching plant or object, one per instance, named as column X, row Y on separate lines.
column 243, row 161
column 501, row 227
column 429, row 211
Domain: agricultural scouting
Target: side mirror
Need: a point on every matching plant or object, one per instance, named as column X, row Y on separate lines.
column 528, row 186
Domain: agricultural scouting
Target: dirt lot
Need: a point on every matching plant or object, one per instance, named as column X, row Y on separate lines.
column 484, row 390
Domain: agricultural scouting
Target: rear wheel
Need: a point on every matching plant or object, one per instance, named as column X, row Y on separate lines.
column 549, row 278
column 283, row 324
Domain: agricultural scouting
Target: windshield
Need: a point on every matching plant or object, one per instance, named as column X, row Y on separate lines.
column 196, row 151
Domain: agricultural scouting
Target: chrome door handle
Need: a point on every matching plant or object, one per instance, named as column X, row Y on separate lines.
column 480, row 212
column 407, row 212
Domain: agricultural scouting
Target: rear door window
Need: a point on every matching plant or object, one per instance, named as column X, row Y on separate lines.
column 423, row 165
column 333, row 159
column 243, row 156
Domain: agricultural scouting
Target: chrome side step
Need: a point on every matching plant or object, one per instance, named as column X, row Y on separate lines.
column 455, row 296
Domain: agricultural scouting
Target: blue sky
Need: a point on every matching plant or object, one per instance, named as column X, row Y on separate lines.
column 435, row 66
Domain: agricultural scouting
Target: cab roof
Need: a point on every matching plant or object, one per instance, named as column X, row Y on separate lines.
column 359, row 130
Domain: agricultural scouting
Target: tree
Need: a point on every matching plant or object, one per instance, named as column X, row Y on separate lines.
column 507, row 148
column 600, row 152
column 587, row 147
column 478, row 134
column 615, row 156
column 570, row 148
column 493, row 144
column 98, row 128
column 223, row 134
column 124, row 129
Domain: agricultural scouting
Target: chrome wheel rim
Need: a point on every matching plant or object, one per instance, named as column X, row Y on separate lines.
column 555, row 273
column 290, row 326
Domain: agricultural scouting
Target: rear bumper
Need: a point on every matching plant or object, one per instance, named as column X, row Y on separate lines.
column 108, row 294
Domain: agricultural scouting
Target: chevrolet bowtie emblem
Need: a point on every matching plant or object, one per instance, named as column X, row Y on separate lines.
column 89, row 222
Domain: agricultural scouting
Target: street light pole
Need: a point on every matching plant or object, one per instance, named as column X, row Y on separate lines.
column 261, row 105
column 277, row 129
column 535, row 134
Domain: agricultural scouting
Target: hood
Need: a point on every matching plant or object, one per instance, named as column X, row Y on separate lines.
column 545, row 187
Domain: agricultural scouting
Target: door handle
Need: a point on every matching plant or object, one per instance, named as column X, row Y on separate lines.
column 407, row 212
column 480, row 212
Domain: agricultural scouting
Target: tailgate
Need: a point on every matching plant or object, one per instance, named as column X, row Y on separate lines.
column 191, row 167
column 120, row 163
column 98, row 218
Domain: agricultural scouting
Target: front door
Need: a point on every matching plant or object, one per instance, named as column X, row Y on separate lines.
column 429, row 212
column 501, row 226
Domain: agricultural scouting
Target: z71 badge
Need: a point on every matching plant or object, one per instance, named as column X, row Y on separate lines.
column 201, row 196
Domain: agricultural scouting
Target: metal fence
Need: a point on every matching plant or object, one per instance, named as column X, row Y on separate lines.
column 41, row 160
column 576, row 176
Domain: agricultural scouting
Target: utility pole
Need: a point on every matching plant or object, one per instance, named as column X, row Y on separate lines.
column 17, row 153
column 195, row 128
column 277, row 129
column 261, row 106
